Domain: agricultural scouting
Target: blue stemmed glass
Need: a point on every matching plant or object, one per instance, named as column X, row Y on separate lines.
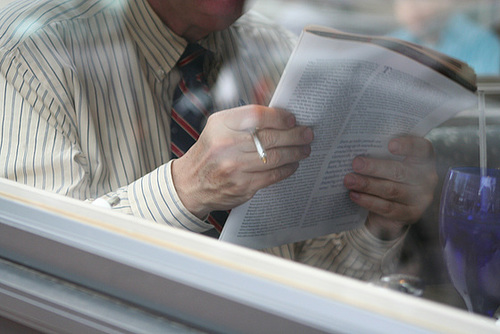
column 469, row 224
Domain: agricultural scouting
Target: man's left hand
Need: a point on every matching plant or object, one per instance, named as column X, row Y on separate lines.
column 395, row 192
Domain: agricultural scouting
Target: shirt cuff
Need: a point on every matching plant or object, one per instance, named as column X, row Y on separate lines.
column 385, row 252
column 154, row 197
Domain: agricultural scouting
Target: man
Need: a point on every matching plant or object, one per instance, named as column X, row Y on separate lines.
column 87, row 90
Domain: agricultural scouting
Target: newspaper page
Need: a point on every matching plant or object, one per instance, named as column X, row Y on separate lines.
column 356, row 96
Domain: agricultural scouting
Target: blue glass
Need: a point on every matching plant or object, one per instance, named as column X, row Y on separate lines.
column 469, row 221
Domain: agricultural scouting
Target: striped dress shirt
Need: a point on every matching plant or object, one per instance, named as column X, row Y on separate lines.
column 86, row 89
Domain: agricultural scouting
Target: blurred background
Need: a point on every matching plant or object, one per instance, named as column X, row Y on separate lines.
column 465, row 29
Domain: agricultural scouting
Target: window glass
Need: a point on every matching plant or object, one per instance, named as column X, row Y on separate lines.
column 466, row 30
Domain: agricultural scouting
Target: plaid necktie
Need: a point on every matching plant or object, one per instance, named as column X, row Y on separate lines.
column 192, row 104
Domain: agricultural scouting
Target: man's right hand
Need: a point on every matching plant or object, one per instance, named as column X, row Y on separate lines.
column 223, row 169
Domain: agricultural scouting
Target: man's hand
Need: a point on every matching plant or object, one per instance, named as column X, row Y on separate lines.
column 395, row 192
column 223, row 169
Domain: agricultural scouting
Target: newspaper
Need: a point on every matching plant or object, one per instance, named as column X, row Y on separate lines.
column 356, row 95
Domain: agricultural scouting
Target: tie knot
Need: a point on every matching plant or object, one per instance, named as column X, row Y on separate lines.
column 191, row 61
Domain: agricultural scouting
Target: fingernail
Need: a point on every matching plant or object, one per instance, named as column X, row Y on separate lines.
column 358, row 164
column 291, row 121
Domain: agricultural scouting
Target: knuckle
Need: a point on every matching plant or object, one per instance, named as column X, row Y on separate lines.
column 227, row 168
column 221, row 144
column 392, row 191
column 283, row 156
column 267, row 139
column 213, row 118
column 258, row 111
column 274, row 158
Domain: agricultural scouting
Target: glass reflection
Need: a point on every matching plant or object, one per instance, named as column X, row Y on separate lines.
column 447, row 26
column 371, row 17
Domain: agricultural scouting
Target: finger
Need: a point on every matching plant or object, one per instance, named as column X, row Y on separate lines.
column 273, row 118
column 296, row 136
column 385, row 189
column 385, row 208
column 415, row 147
column 276, row 158
column 396, row 171
column 251, row 117
column 267, row 177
